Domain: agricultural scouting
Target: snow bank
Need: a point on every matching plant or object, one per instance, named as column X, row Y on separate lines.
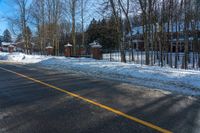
column 175, row 80
column 21, row 58
column 12, row 57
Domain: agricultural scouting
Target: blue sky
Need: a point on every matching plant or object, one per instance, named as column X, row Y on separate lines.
column 5, row 10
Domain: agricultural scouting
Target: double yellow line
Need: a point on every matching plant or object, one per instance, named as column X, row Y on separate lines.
column 142, row 122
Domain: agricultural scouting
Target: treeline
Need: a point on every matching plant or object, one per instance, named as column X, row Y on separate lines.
column 165, row 24
column 52, row 22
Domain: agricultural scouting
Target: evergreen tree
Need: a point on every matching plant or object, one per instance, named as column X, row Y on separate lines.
column 103, row 32
column 7, row 36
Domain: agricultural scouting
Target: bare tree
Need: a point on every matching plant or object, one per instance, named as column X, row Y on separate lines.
column 144, row 8
column 38, row 15
column 125, row 7
column 22, row 19
column 115, row 11
column 84, row 4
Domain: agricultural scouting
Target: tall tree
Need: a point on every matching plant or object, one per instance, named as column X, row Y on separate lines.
column 116, row 13
column 38, row 15
column 145, row 4
column 83, row 4
column 22, row 19
column 125, row 7
column 7, row 36
column 28, row 39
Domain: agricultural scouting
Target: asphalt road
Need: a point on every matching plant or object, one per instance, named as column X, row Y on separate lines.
column 30, row 107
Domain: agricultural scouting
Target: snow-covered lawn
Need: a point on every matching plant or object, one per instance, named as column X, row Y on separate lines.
column 140, row 57
column 174, row 80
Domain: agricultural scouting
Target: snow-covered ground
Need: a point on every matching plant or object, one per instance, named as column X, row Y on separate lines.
column 21, row 58
column 139, row 58
column 174, row 80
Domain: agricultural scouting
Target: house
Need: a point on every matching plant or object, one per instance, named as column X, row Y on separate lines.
column 17, row 47
column 137, row 37
column 4, row 47
column 20, row 47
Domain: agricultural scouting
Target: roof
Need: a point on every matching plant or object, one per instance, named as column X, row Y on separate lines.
column 68, row 45
column 49, row 47
column 6, row 43
column 173, row 27
column 95, row 45
column 22, row 42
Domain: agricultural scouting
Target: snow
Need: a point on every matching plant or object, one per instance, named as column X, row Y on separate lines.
column 49, row 47
column 173, row 80
column 95, row 45
column 6, row 43
column 68, row 45
column 140, row 57
column 21, row 58
column 173, row 27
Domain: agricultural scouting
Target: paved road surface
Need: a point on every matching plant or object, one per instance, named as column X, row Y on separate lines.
column 30, row 107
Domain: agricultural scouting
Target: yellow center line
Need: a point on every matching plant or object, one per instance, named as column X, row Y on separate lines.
column 142, row 122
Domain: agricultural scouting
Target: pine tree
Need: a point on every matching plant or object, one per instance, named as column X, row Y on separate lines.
column 7, row 36
column 103, row 32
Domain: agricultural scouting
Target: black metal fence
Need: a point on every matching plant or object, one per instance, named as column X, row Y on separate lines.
column 155, row 58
